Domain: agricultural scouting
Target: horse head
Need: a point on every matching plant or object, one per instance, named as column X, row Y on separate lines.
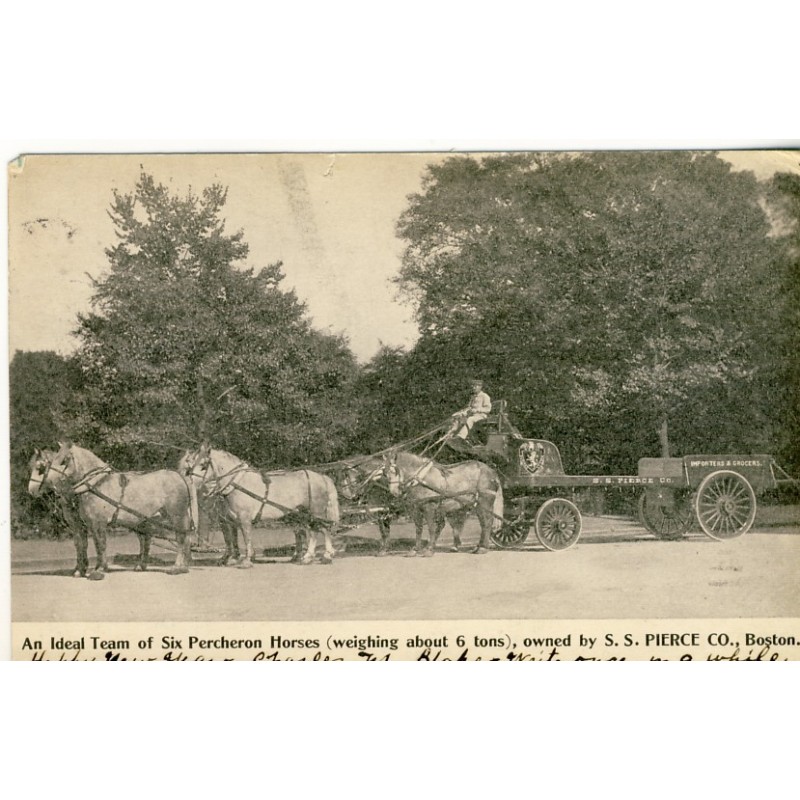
column 198, row 465
column 355, row 476
column 49, row 469
column 40, row 464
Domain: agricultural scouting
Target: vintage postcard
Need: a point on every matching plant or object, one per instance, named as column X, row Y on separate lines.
column 517, row 406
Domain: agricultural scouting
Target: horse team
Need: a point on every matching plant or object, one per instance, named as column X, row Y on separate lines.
column 165, row 502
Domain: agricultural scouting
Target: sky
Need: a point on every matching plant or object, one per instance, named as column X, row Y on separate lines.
column 329, row 218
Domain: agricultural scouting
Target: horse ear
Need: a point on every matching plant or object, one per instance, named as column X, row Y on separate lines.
column 36, row 452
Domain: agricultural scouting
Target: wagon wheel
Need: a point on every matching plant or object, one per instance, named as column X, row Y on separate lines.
column 725, row 505
column 665, row 513
column 558, row 524
column 512, row 532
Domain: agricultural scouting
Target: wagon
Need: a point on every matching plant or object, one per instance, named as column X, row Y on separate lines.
column 717, row 491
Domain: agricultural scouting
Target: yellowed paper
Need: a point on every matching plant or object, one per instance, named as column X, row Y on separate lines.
column 618, row 592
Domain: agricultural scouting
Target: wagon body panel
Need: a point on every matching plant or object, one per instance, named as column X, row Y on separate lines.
column 757, row 469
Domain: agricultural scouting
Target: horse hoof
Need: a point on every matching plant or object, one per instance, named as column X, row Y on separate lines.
column 79, row 574
column 326, row 559
column 480, row 551
column 304, row 562
column 178, row 571
column 381, row 553
column 246, row 564
column 96, row 575
column 411, row 554
column 454, row 549
column 428, row 553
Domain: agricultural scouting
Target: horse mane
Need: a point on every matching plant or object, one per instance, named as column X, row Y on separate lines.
column 411, row 460
column 86, row 460
column 225, row 454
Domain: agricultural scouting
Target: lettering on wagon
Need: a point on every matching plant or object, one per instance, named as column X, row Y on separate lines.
column 727, row 463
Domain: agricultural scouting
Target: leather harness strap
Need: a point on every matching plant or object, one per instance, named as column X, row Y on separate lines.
column 132, row 511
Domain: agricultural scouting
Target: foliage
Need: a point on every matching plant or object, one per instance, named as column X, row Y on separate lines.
column 185, row 343
column 42, row 388
column 783, row 381
column 600, row 293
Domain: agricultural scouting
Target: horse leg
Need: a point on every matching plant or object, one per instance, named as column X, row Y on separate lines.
column 311, row 549
column 144, row 552
column 101, row 564
column 330, row 551
column 183, row 557
column 384, row 528
column 419, row 520
column 247, row 533
column 82, row 550
column 100, row 543
column 299, row 545
column 486, row 519
column 457, row 520
column 233, row 530
column 431, row 512
column 231, row 536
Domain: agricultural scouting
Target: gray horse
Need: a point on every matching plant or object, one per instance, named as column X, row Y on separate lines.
column 457, row 489
column 305, row 499
column 145, row 502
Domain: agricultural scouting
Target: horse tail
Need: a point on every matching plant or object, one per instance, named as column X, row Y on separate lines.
column 497, row 509
column 332, row 508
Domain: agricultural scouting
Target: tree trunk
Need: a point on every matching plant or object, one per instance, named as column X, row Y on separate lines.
column 201, row 399
column 663, row 436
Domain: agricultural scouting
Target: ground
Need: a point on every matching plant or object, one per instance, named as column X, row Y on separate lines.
column 616, row 570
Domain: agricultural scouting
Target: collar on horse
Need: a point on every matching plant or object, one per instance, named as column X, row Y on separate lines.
column 82, row 485
column 417, row 479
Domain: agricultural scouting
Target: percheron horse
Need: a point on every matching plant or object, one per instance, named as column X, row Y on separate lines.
column 149, row 503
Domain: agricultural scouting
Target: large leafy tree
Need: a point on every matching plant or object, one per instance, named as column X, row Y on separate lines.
column 603, row 294
column 782, row 382
column 184, row 343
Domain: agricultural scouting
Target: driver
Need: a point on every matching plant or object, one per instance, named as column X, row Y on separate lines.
column 478, row 409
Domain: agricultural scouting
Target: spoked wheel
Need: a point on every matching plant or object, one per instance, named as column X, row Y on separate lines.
column 725, row 505
column 512, row 532
column 558, row 524
column 665, row 513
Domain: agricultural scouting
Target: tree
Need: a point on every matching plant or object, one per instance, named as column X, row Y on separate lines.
column 606, row 293
column 782, row 382
column 185, row 343
column 44, row 388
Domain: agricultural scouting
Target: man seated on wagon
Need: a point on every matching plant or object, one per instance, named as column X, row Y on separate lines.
column 478, row 409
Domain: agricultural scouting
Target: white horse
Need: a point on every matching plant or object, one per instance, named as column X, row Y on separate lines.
column 145, row 502
column 453, row 490
column 306, row 499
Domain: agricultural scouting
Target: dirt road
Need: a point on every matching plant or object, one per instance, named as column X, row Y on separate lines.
column 616, row 570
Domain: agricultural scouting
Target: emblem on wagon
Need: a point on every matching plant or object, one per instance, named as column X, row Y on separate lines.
column 531, row 457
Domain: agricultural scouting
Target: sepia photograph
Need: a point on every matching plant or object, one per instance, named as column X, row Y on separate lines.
column 405, row 406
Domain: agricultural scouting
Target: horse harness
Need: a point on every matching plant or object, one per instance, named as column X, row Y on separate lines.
column 82, row 486
column 264, row 500
column 417, row 479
